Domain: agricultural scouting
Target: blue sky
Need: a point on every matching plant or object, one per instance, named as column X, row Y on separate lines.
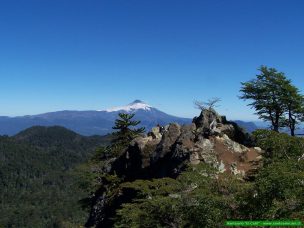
column 87, row 55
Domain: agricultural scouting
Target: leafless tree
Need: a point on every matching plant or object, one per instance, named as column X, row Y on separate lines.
column 210, row 104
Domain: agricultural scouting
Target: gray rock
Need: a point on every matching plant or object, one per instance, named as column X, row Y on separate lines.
column 194, row 158
column 166, row 127
column 185, row 143
column 227, row 129
column 217, row 132
column 168, row 139
column 258, row 158
column 258, row 149
column 155, row 133
column 236, row 133
column 234, row 146
column 140, row 150
column 221, row 167
column 207, row 120
column 141, row 141
column 205, row 149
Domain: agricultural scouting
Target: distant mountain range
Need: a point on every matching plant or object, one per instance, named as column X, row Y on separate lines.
column 252, row 126
column 90, row 122
column 100, row 122
column 248, row 126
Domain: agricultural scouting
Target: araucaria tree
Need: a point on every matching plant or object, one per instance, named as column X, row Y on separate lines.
column 274, row 98
column 125, row 129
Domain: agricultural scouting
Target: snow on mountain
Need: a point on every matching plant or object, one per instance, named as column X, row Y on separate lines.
column 135, row 105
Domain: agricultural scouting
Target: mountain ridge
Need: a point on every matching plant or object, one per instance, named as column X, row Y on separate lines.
column 92, row 122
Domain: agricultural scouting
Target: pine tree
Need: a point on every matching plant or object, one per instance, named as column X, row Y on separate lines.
column 126, row 131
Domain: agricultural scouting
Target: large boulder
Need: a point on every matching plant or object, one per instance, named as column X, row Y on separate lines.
column 184, row 145
column 236, row 133
column 155, row 133
column 205, row 152
column 234, row 146
column 132, row 164
column 207, row 121
column 168, row 139
column 142, row 148
column 210, row 123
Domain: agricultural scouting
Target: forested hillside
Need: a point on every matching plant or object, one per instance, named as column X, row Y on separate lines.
column 38, row 186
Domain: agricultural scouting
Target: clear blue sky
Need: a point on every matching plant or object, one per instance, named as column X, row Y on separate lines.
column 92, row 54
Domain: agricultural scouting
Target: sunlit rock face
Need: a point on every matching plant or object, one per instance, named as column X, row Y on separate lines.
column 210, row 139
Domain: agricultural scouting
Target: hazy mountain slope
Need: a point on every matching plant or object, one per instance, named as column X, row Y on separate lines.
column 248, row 126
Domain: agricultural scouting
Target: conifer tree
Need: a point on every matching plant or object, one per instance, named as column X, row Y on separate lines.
column 125, row 129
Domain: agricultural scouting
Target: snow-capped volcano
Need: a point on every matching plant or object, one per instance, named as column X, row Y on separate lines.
column 135, row 105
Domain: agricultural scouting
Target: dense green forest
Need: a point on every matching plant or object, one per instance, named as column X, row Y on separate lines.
column 38, row 181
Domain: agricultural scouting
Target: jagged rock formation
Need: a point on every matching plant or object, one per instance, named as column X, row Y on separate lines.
column 210, row 139
column 166, row 151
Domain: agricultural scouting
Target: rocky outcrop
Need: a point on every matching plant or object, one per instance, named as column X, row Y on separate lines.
column 166, row 151
column 168, row 139
column 156, row 132
column 209, row 122
column 210, row 139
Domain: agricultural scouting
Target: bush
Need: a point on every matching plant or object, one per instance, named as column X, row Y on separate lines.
column 279, row 146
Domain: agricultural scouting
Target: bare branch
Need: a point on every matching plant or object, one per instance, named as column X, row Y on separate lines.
column 210, row 104
column 200, row 105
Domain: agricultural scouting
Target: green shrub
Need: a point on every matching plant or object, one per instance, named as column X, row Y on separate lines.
column 279, row 145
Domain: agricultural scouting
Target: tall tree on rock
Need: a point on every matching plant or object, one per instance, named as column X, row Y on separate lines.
column 274, row 98
column 125, row 129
